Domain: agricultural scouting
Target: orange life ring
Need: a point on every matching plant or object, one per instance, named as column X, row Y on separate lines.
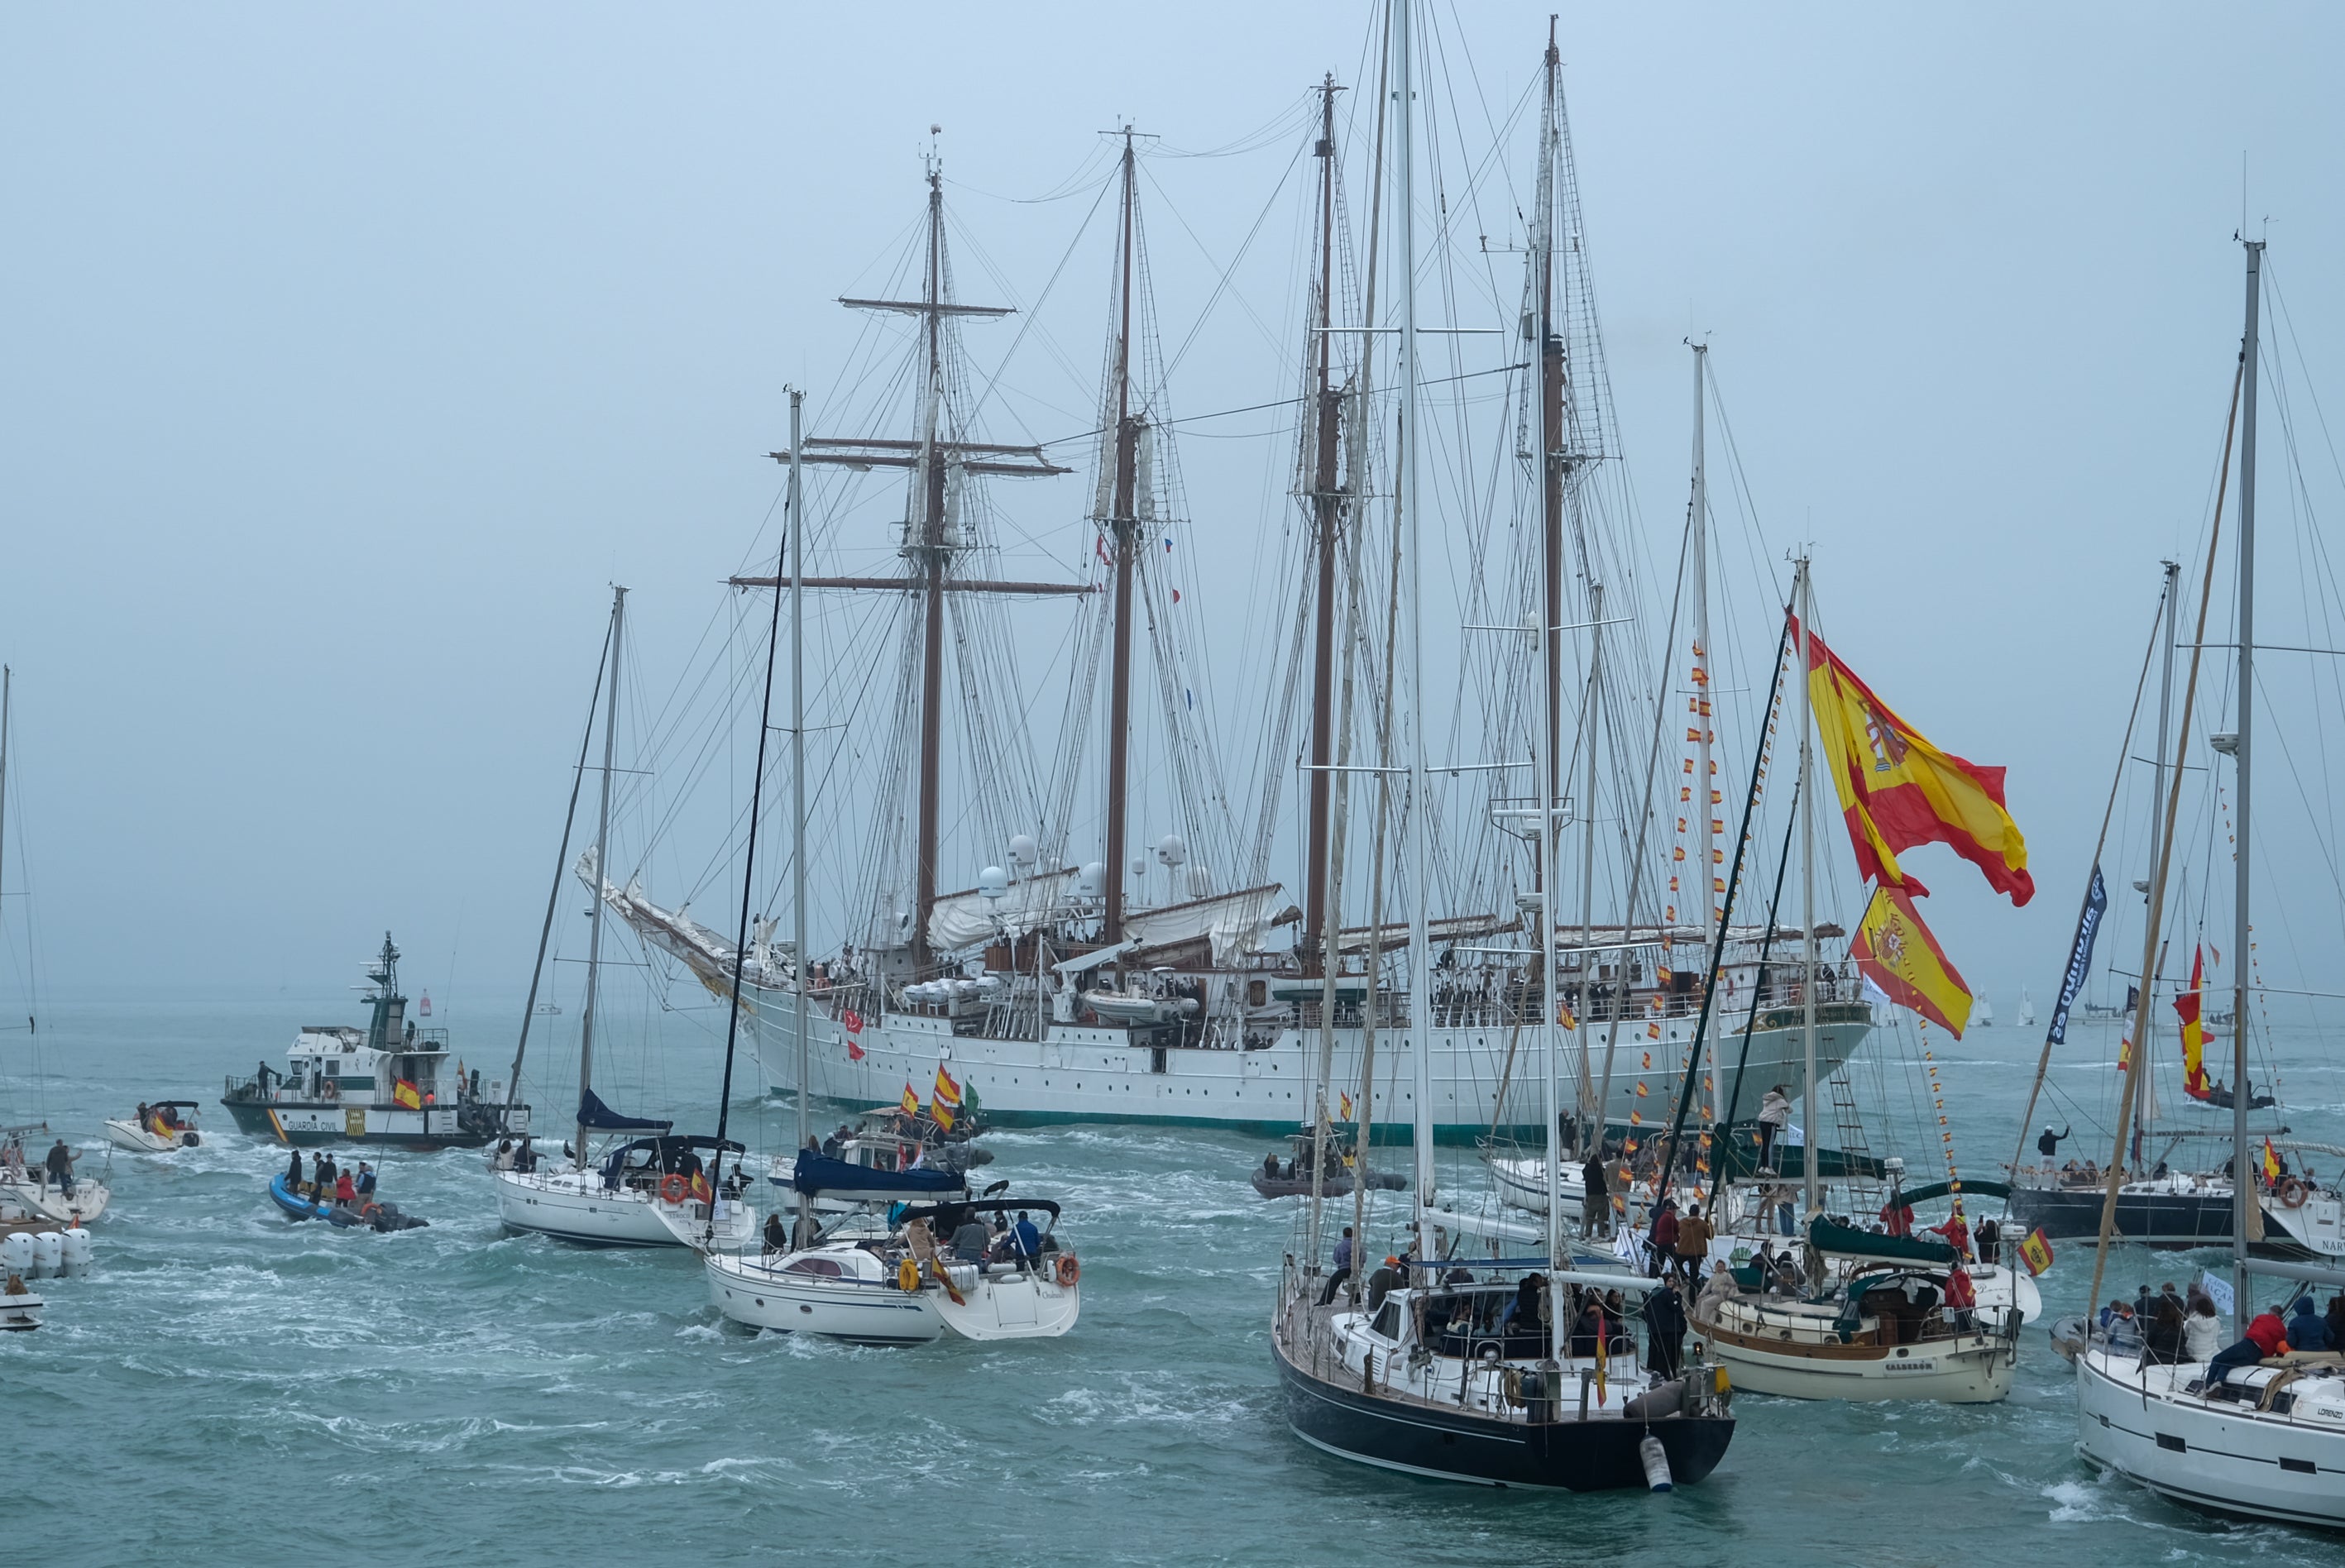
column 1068, row 1270
column 674, row 1188
column 2292, row 1193
column 908, row 1276
column 371, row 1210
column 329, row 1090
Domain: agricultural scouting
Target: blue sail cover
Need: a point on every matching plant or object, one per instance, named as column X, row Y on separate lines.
column 593, row 1113
column 842, row 1179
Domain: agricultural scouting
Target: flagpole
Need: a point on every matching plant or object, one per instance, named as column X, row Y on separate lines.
column 1804, row 593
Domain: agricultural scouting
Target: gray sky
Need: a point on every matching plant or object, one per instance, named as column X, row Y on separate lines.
column 349, row 354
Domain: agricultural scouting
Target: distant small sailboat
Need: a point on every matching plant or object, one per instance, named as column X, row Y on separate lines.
column 1982, row 1015
column 2026, row 1011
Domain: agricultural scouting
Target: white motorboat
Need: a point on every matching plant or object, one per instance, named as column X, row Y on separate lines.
column 26, row 1184
column 157, row 1129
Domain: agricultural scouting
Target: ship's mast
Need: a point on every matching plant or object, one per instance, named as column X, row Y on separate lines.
column 1124, row 529
column 2142, row 1054
column 930, row 564
column 601, row 872
column 1327, row 519
column 1420, row 989
column 2243, row 1175
column 929, row 547
column 1704, row 787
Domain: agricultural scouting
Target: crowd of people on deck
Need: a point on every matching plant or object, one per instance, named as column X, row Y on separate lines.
column 2176, row 1328
column 330, row 1184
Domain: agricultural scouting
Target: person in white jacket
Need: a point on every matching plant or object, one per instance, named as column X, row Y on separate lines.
column 2202, row 1331
column 1774, row 1115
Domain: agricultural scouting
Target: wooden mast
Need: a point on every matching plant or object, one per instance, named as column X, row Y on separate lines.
column 1553, row 456
column 1326, row 515
column 1124, row 527
column 928, row 549
column 929, row 563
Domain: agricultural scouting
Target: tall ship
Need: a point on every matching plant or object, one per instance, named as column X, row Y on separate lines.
column 388, row 1083
column 1005, row 917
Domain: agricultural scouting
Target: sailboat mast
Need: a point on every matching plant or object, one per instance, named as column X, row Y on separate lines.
column 601, row 872
column 749, row 864
column 1326, row 516
column 2243, row 1180
column 797, row 754
column 1589, row 1105
column 1127, row 452
column 1804, row 593
column 1551, row 438
column 2143, row 1056
column 1420, row 988
column 931, row 556
column 1704, row 788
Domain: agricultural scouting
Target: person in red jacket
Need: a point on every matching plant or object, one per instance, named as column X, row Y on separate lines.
column 1663, row 1239
column 1898, row 1215
column 346, row 1190
column 1955, row 1230
column 2267, row 1336
column 1960, row 1301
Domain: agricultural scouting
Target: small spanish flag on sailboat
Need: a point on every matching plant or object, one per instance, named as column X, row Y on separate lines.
column 404, row 1092
column 910, row 1102
column 2035, row 1252
column 2272, row 1161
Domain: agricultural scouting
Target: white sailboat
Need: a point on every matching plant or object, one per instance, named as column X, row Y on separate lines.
column 2026, row 1018
column 29, row 1189
column 1982, row 1015
column 2261, row 1436
column 860, row 1278
column 646, row 1191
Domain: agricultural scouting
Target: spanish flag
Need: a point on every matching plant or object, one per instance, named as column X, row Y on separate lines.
column 1347, row 1102
column 2272, row 1161
column 2035, row 1252
column 910, row 1102
column 947, row 1091
column 1897, row 790
column 406, row 1093
column 1896, row 951
column 2194, row 1033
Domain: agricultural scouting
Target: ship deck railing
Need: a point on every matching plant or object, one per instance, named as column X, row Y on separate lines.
column 1306, row 1333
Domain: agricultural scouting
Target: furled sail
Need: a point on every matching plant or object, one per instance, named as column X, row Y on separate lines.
column 964, row 919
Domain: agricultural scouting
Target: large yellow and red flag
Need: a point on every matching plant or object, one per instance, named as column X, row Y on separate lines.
column 944, row 1098
column 1896, row 951
column 1897, row 790
column 2194, row 1033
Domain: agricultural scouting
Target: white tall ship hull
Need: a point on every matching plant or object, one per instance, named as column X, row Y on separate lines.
column 1080, row 1072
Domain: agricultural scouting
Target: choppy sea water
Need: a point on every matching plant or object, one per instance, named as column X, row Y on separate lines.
column 231, row 1386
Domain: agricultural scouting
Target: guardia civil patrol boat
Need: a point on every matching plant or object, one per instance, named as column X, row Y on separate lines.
column 388, row 1083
